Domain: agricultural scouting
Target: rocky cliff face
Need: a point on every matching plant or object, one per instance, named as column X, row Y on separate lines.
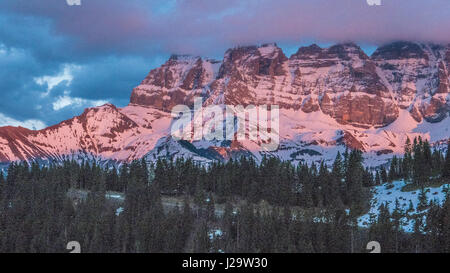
column 341, row 81
column 345, row 83
column 177, row 81
column 417, row 75
column 328, row 97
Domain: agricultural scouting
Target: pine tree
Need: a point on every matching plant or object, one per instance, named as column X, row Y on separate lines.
column 427, row 160
column 418, row 235
column 336, row 183
column 420, row 166
column 445, row 228
column 446, row 167
column 383, row 229
column 112, row 181
column 438, row 161
column 410, row 207
column 210, row 209
column 368, row 179
column 338, row 167
column 201, row 241
column 383, row 175
column 407, row 160
column 393, row 170
column 423, row 200
column 2, row 183
column 397, row 215
column 377, row 178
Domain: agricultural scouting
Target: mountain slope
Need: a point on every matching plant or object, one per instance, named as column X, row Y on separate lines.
column 329, row 98
column 104, row 131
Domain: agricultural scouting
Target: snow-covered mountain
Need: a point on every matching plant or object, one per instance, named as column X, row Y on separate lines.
column 329, row 98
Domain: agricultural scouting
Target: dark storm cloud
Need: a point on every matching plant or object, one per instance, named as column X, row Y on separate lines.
column 31, row 48
column 114, row 43
column 110, row 76
column 200, row 26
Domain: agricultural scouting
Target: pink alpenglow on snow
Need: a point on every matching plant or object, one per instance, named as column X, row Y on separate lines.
column 232, row 123
column 327, row 100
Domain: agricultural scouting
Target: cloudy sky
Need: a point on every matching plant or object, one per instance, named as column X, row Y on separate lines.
column 56, row 59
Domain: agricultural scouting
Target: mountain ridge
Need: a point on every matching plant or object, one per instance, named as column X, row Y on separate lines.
column 352, row 97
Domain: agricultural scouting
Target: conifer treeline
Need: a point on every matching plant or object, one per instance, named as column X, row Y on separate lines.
column 279, row 183
column 419, row 164
column 38, row 215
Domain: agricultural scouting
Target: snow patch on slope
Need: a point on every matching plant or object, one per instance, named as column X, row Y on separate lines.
column 386, row 195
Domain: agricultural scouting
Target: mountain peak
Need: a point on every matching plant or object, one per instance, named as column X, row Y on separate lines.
column 183, row 57
column 345, row 50
column 271, row 51
column 308, row 50
column 266, row 50
column 400, row 50
column 340, row 88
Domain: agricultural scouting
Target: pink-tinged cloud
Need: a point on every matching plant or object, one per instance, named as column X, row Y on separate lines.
column 209, row 26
